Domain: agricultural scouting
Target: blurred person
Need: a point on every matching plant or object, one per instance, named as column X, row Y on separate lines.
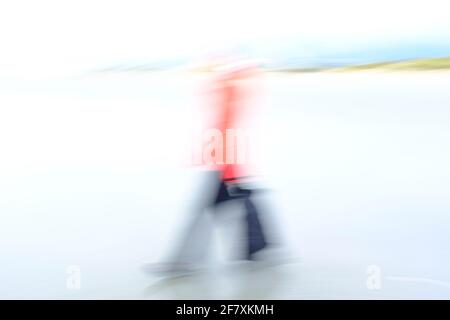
column 228, row 175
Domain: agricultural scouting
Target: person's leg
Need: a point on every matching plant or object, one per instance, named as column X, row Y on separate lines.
column 193, row 242
column 256, row 239
column 255, row 236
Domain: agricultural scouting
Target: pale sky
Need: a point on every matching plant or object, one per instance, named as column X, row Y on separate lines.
column 58, row 36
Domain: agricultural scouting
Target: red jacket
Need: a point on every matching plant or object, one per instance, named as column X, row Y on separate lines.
column 229, row 109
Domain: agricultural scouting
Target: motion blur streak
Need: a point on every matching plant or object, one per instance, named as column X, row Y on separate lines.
column 242, row 149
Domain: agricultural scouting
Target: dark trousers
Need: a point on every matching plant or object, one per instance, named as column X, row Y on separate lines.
column 255, row 237
column 217, row 192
